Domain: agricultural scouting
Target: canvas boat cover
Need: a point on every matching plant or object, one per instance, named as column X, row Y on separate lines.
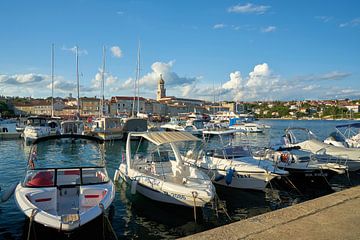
column 159, row 138
column 314, row 146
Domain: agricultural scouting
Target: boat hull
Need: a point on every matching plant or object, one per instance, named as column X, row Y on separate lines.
column 45, row 214
column 157, row 190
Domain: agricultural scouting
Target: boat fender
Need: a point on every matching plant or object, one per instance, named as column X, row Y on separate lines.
column 229, row 176
column 133, row 186
column 116, row 175
column 8, row 193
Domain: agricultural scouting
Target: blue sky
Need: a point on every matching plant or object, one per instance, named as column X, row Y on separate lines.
column 235, row 50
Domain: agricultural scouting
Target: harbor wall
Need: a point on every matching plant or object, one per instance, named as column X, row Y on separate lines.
column 335, row 216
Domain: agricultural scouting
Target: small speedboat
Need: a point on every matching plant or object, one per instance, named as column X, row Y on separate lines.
column 303, row 166
column 155, row 169
column 306, row 140
column 65, row 197
column 35, row 128
column 233, row 166
column 346, row 135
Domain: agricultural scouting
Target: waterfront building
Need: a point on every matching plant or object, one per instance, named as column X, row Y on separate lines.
column 124, row 104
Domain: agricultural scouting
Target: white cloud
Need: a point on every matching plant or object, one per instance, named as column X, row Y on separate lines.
column 73, row 50
column 219, row 26
column 269, row 29
column 353, row 23
column 324, row 19
column 259, row 75
column 120, row 13
column 234, row 82
column 116, row 51
column 249, row 8
column 171, row 78
column 333, row 75
column 110, row 80
column 21, row 79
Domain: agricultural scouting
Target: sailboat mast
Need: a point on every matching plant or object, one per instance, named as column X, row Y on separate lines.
column 138, row 79
column 52, row 80
column 102, row 100
column 77, row 80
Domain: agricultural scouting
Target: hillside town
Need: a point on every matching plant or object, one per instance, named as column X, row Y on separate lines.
column 165, row 106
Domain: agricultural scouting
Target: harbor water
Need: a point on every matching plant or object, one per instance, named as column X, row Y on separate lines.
column 137, row 217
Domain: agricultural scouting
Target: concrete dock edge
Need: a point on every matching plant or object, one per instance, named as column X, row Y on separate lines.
column 335, row 216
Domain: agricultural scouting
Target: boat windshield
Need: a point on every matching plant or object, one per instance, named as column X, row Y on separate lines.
column 65, row 152
column 37, row 122
column 57, row 177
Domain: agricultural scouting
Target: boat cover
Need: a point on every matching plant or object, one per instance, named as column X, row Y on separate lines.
column 315, row 146
column 159, row 138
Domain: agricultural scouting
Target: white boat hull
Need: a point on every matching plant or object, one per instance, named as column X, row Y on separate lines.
column 167, row 192
column 42, row 204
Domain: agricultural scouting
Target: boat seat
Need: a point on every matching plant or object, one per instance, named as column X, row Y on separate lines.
column 41, row 179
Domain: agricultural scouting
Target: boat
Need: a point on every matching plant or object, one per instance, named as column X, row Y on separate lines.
column 174, row 125
column 346, row 135
column 107, row 128
column 216, row 129
column 8, row 131
column 232, row 165
column 246, row 127
column 303, row 166
column 305, row 139
column 36, row 127
column 60, row 196
column 72, row 127
column 155, row 169
column 192, row 125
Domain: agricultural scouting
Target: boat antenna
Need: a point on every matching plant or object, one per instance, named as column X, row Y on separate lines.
column 77, row 81
column 52, row 80
column 102, row 100
column 138, row 79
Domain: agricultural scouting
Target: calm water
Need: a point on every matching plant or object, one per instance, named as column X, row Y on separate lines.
column 136, row 217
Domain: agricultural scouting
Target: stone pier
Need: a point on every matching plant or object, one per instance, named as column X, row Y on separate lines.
column 335, row 216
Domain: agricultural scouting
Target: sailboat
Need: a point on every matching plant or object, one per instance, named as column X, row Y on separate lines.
column 74, row 126
column 37, row 126
column 137, row 122
column 106, row 127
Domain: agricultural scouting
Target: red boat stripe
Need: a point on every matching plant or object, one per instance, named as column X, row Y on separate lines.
column 42, row 199
column 91, row 196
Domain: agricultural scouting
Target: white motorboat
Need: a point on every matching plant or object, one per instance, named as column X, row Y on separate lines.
column 234, row 166
column 216, row 129
column 60, row 197
column 302, row 165
column 193, row 126
column 332, row 154
column 72, row 127
column 8, row 131
column 107, row 128
column 159, row 173
column 174, row 125
column 346, row 135
column 36, row 127
column 247, row 125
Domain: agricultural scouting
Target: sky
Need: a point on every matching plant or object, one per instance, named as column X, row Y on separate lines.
column 218, row 49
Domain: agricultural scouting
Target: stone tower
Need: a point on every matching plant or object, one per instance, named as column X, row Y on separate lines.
column 161, row 91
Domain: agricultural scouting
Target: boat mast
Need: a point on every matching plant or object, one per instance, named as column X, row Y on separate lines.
column 102, row 100
column 52, row 80
column 138, row 79
column 77, row 81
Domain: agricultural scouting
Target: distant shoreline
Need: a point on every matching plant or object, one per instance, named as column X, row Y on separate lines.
column 312, row 119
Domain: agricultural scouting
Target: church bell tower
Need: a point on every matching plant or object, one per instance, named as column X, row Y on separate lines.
column 161, row 91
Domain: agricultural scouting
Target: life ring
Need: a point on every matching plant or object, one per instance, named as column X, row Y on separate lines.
column 284, row 157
